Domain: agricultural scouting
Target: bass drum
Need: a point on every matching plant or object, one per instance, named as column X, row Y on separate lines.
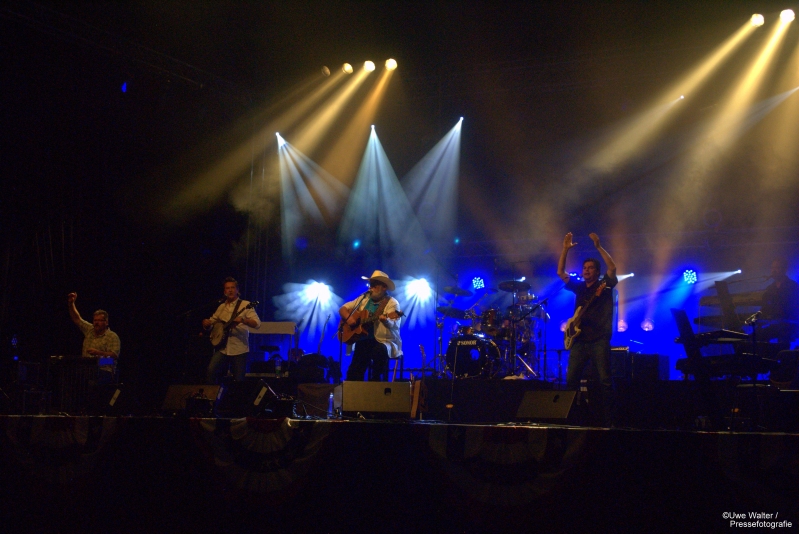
column 471, row 356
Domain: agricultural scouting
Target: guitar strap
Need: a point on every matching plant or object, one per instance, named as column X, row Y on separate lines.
column 382, row 306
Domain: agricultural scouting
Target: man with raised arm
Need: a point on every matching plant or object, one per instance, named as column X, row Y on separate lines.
column 99, row 341
column 590, row 336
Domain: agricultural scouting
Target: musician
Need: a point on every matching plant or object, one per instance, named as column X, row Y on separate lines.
column 596, row 324
column 236, row 349
column 383, row 341
column 99, row 341
column 780, row 309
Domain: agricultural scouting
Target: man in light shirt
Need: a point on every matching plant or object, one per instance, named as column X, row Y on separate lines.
column 235, row 348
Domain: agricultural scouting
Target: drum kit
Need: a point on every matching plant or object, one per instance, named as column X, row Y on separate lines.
column 496, row 343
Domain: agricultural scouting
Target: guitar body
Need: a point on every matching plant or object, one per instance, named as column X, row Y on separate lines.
column 217, row 335
column 572, row 329
column 363, row 327
column 221, row 330
column 573, row 325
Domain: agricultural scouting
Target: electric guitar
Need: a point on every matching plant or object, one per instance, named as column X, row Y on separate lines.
column 352, row 334
column 221, row 329
column 573, row 324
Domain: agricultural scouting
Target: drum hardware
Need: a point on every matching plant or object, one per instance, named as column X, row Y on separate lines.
column 458, row 292
column 513, row 286
column 449, row 311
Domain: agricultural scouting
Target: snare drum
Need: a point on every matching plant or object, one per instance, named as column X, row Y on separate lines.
column 470, row 356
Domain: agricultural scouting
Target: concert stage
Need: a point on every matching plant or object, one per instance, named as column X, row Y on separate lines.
column 180, row 474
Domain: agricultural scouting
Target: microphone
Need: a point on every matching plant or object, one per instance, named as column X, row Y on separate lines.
column 752, row 319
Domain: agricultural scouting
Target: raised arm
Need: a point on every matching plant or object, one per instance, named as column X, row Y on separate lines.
column 604, row 253
column 73, row 311
column 567, row 245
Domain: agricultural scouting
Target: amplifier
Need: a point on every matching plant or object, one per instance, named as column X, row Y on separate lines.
column 373, row 397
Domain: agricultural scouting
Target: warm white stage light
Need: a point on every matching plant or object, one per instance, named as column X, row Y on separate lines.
column 347, row 68
column 369, row 66
column 757, row 20
column 325, row 71
column 787, row 15
column 682, row 97
column 391, row 64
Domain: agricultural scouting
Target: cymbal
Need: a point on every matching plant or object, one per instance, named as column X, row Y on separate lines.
column 458, row 292
column 449, row 311
column 512, row 286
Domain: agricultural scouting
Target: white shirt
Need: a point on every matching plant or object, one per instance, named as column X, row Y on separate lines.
column 387, row 335
column 238, row 342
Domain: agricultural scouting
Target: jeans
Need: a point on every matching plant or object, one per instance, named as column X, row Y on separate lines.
column 372, row 355
column 599, row 353
column 219, row 365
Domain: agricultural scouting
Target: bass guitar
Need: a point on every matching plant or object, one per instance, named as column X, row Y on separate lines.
column 365, row 321
column 573, row 324
column 221, row 329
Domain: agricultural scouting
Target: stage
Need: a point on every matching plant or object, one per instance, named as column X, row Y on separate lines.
column 183, row 474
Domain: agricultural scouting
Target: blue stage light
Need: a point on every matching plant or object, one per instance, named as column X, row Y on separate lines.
column 124, row 87
column 356, row 244
column 478, row 283
column 418, row 289
column 689, row 276
column 317, row 291
column 457, row 240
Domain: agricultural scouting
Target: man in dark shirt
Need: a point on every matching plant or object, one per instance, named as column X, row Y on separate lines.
column 595, row 298
column 780, row 310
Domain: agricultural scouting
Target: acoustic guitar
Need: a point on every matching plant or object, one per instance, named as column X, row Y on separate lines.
column 221, row 329
column 573, row 325
column 365, row 322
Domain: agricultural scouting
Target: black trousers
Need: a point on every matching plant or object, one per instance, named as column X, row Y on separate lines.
column 371, row 355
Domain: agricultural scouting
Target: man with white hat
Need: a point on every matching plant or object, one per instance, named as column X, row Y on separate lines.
column 381, row 338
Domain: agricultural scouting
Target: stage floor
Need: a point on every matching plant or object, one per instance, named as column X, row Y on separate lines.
column 165, row 474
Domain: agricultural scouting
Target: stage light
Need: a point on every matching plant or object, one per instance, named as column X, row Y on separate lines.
column 418, row 289
column 625, row 276
column 757, row 20
column 369, row 66
column 787, row 15
column 689, row 276
column 391, row 64
column 457, row 241
column 317, row 291
column 280, row 140
column 124, row 87
column 356, row 244
column 325, row 71
column 647, row 325
column 347, row 68
column 522, row 279
column 478, row 283
column 622, row 325
column 682, row 97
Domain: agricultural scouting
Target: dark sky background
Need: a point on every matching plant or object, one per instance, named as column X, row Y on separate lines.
column 84, row 163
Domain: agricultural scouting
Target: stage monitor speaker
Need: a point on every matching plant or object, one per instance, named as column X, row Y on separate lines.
column 108, row 399
column 176, row 395
column 373, row 397
column 546, row 405
column 250, row 398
